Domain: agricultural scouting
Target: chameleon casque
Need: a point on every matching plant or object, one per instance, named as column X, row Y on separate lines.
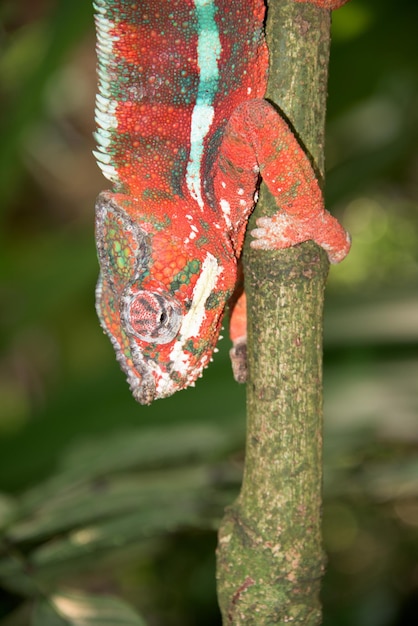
column 184, row 135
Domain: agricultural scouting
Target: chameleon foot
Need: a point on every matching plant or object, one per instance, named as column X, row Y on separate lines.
column 283, row 230
column 238, row 356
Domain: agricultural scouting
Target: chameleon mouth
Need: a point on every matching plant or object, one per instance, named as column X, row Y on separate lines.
column 151, row 382
column 146, row 389
column 148, row 381
column 141, row 381
column 144, row 393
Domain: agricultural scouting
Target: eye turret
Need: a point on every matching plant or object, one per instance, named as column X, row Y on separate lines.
column 152, row 317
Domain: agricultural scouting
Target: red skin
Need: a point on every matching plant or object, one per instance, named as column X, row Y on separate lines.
column 170, row 235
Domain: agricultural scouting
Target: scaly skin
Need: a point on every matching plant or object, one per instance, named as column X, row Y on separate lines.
column 184, row 135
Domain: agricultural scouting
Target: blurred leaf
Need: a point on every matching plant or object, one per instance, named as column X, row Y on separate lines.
column 134, row 449
column 82, row 504
column 67, row 24
column 378, row 322
column 49, row 259
column 89, row 545
column 351, row 21
column 7, row 509
column 147, row 448
column 77, row 609
column 22, row 55
column 390, row 481
column 15, row 574
column 374, row 395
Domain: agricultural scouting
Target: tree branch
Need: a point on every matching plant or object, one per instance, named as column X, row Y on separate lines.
column 270, row 559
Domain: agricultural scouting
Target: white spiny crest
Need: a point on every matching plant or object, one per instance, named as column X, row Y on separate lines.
column 100, row 6
column 105, row 105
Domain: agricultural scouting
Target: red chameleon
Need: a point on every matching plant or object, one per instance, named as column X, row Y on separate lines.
column 184, row 135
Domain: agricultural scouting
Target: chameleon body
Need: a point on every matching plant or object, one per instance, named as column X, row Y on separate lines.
column 184, row 136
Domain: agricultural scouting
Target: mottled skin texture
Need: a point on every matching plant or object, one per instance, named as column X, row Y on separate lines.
column 184, row 135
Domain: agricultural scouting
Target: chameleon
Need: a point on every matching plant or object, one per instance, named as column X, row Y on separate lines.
column 184, row 134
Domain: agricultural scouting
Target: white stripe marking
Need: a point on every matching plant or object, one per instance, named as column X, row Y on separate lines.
column 193, row 320
column 226, row 211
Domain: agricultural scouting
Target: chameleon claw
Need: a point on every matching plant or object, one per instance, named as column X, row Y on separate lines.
column 337, row 255
column 274, row 233
column 238, row 356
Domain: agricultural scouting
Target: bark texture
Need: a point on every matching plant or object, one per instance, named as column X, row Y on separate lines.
column 270, row 558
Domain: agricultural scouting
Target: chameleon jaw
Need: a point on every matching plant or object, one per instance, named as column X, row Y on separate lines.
column 143, row 391
column 151, row 381
column 179, row 368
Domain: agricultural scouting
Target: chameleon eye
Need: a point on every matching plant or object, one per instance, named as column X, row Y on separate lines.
column 153, row 317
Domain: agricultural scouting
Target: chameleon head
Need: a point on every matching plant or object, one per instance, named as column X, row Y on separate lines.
column 160, row 301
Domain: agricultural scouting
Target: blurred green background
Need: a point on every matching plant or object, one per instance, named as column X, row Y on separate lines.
column 101, row 495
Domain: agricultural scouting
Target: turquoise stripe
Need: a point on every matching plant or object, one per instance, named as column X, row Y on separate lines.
column 208, row 53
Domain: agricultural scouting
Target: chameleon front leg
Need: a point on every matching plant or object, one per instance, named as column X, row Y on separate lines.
column 259, row 142
column 238, row 334
column 288, row 174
